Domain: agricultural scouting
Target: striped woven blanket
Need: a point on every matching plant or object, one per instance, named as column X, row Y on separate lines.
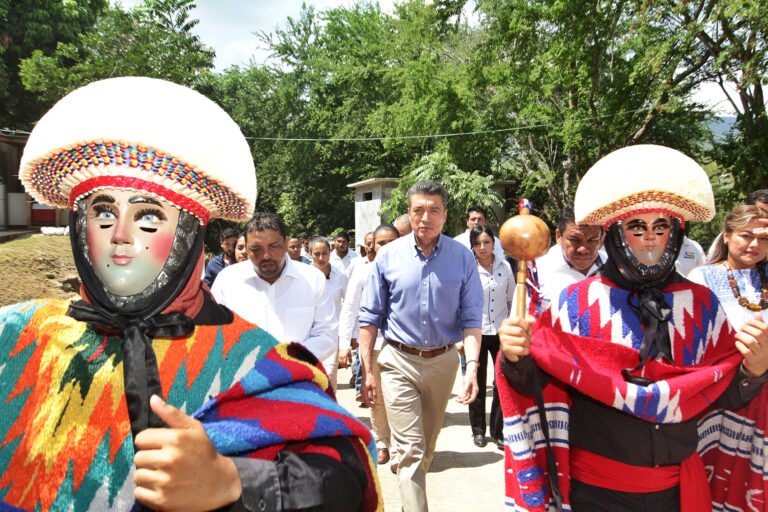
column 66, row 440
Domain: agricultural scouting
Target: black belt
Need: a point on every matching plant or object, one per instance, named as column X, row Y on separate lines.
column 417, row 351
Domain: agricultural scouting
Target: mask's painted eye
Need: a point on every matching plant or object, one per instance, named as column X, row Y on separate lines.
column 149, row 217
column 103, row 215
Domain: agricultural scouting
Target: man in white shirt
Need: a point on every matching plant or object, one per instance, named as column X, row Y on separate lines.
column 403, row 224
column 574, row 257
column 370, row 253
column 349, row 330
column 341, row 256
column 478, row 216
column 286, row 298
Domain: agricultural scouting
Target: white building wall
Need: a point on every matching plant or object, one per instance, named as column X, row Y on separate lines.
column 368, row 201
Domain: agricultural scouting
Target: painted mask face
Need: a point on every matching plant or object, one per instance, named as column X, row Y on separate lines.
column 130, row 234
column 647, row 235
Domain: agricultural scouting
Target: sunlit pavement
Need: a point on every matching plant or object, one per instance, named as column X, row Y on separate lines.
column 463, row 477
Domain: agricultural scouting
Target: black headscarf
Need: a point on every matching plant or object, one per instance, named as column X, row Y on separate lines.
column 646, row 283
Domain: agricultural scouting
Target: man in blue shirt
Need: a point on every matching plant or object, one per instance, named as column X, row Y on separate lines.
column 228, row 241
column 425, row 295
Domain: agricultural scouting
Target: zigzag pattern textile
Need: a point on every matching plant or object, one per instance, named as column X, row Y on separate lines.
column 66, row 438
column 584, row 341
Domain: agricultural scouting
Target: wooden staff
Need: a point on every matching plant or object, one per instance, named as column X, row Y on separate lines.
column 524, row 237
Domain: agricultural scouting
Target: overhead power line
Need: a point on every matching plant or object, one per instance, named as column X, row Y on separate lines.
column 8, row 131
column 436, row 135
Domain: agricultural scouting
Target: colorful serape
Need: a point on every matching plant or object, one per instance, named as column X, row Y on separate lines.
column 64, row 424
column 584, row 341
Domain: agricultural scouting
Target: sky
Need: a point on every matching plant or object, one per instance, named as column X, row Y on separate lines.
column 229, row 25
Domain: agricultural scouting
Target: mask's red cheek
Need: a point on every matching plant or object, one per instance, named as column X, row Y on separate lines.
column 159, row 246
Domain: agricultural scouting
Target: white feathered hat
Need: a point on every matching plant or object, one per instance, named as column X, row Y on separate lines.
column 643, row 178
column 143, row 134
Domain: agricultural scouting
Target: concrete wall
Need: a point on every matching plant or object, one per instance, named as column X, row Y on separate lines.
column 17, row 209
column 367, row 207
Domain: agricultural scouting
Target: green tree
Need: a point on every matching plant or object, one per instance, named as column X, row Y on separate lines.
column 464, row 189
column 154, row 39
column 731, row 35
column 332, row 78
column 35, row 25
column 574, row 81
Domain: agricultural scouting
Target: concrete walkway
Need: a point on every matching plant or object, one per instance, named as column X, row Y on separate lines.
column 463, row 477
column 12, row 234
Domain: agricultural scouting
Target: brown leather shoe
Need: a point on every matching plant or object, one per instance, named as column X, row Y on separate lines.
column 382, row 455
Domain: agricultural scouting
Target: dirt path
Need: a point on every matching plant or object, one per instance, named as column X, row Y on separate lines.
column 463, row 477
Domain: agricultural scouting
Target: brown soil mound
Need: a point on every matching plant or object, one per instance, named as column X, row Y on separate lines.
column 37, row 267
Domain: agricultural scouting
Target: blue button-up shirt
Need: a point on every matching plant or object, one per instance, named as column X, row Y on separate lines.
column 423, row 302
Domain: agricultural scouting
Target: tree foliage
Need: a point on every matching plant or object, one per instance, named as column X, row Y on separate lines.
column 577, row 80
column 464, row 190
column 732, row 35
column 35, row 25
column 529, row 91
column 153, row 39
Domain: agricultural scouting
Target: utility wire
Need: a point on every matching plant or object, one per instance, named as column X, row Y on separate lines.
column 438, row 135
column 8, row 131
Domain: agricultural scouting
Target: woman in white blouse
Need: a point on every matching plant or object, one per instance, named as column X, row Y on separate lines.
column 737, row 268
column 498, row 291
column 336, row 286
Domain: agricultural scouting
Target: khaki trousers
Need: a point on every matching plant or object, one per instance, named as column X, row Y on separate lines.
column 416, row 391
column 331, row 365
column 379, row 422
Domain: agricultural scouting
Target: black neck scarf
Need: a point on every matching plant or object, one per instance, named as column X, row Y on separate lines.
column 136, row 329
column 652, row 309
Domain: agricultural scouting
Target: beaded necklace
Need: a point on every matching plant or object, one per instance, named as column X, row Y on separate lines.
column 743, row 300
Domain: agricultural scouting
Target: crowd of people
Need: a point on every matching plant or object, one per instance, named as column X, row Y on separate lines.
column 630, row 379
column 391, row 304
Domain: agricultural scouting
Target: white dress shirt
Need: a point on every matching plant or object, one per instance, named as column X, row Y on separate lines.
column 498, row 250
column 348, row 325
column 691, row 256
column 342, row 263
column 336, row 285
column 297, row 307
column 498, row 294
column 555, row 273
column 354, row 263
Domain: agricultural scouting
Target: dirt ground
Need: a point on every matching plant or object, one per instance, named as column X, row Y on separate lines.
column 36, row 267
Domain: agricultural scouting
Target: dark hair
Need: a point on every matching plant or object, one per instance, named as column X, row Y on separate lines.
column 263, row 221
column 386, row 228
column 428, row 188
column 291, row 237
column 734, row 221
column 228, row 233
column 758, row 196
column 319, row 240
column 566, row 217
column 475, row 233
column 366, row 235
column 478, row 209
column 342, row 234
